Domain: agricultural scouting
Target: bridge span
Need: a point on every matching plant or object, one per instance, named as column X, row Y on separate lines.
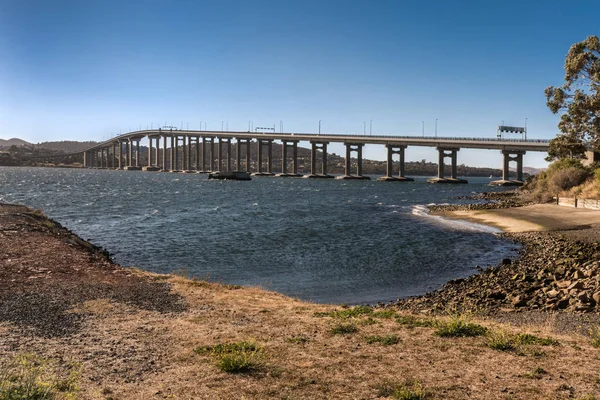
column 209, row 151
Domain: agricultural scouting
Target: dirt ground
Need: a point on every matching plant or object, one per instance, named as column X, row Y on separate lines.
column 133, row 334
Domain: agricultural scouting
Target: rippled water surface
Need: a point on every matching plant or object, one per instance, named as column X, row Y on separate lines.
column 321, row 240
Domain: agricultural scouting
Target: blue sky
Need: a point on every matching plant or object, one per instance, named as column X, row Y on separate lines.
column 86, row 70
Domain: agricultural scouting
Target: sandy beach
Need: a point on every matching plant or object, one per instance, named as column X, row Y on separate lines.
column 532, row 218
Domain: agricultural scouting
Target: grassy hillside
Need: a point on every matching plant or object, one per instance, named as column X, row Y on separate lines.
column 565, row 177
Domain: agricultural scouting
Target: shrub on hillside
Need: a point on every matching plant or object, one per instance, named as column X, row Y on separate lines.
column 565, row 179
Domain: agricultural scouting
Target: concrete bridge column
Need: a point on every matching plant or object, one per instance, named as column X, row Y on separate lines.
column 120, row 155
column 112, row 155
column 453, row 174
column 212, row 154
column 85, row 159
column 270, row 157
column 351, row 147
column 313, row 160
column 238, row 155
column 248, row 141
column 220, row 153
column 229, row 154
column 395, row 149
column 137, row 153
column 203, row 155
column 176, row 161
column 359, row 163
column 295, row 159
column 157, row 153
column 189, row 154
column 128, row 154
column 443, row 153
column 152, row 166
column 183, row 154
column 164, row 154
column 260, row 170
column 284, row 158
column 172, row 154
column 197, row 153
column 259, row 158
column 316, row 145
column 508, row 156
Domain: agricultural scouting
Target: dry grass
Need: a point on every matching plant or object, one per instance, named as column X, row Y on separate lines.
column 292, row 353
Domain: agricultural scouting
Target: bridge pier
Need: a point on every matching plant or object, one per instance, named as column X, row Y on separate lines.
column 395, row 149
column 186, row 154
column 508, row 156
column 318, row 145
column 260, row 144
column 449, row 152
column 351, row 147
column 151, row 154
column 197, row 164
column 133, row 164
column 248, row 166
column 164, row 154
column 284, row 158
column 203, row 153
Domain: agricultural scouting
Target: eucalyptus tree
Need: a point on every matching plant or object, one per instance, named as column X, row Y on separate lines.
column 578, row 101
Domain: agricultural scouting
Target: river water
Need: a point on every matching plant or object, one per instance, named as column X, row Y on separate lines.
column 321, row 240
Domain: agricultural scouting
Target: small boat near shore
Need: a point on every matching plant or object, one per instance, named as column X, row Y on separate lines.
column 231, row 175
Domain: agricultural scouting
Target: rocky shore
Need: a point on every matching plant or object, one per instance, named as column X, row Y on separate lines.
column 493, row 201
column 556, row 272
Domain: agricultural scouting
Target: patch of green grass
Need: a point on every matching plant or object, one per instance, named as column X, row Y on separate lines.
column 503, row 341
column 236, row 357
column 343, row 329
column 410, row 321
column 528, row 339
column 459, row 326
column 409, row 390
column 298, row 339
column 31, row 377
column 387, row 340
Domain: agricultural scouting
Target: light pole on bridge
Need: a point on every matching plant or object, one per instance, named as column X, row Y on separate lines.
column 436, row 120
column 319, row 127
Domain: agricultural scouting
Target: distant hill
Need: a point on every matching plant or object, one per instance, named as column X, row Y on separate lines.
column 67, row 146
column 13, row 142
column 533, row 171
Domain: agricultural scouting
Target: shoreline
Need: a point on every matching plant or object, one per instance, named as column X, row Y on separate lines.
column 528, row 218
column 124, row 333
column 555, row 271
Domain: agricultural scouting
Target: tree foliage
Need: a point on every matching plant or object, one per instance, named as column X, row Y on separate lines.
column 579, row 101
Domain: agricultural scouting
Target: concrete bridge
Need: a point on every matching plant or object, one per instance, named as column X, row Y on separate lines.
column 208, row 151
